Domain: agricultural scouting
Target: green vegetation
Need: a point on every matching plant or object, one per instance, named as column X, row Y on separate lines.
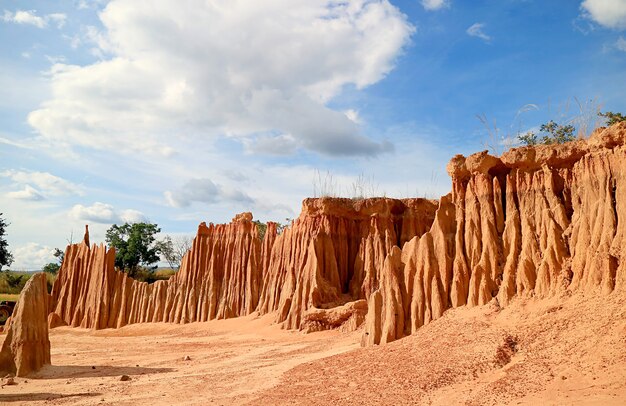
column 12, row 282
column 612, row 118
column 262, row 227
column 530, row 138
column 11, row 297
column 173, row 249
column 136, row 249
column 53, row 267
column 553, row 133
column 6, row 258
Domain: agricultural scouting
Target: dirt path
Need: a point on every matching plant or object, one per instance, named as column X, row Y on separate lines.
column 230, row 361
column 561, row 351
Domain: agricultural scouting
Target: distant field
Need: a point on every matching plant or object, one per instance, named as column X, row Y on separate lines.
column 9, row 296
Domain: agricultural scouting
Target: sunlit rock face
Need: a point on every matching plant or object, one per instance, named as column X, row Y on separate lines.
column 26, row 347
column 330, row 256
column 538, row 221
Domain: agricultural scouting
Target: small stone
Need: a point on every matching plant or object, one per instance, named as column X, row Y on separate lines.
column 124, row 378
column 10, row 381
column 187, row 358
column 563, row 377
column 93, row 367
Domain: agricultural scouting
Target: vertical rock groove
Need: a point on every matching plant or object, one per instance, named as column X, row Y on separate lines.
column 535, row 222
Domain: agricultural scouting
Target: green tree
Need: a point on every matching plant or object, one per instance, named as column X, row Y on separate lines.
column 174, row 249
column 59, row 255
column 6, row 258
column 612, row 118
column 261, row 228
column 51, row 268
column 553, row 133
column 530, row 138
column 135, row 246
column 557, row 133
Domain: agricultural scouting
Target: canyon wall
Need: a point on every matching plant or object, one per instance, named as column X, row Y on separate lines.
column 537, row 221
column 330, row 256
column 219, row 277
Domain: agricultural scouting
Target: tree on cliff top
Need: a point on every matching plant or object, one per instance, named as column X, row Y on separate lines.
column 135, row 246
column 173, row 250
column 6, row 258
column 553, row 134
column 612, row 118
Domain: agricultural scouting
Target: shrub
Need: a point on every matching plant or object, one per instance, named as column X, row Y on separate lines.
column 553, row 133
column 612, row 118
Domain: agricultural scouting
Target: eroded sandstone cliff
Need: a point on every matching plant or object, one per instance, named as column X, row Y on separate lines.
column 331, row 255
column 537, row 221
column 26, row 347
column 219, row 278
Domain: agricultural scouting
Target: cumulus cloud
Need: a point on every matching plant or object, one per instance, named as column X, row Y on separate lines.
column 30, row 17
column 205, row 191
column 621, row 44
column 229, row 68
column 32, row 256
column 607, row 13
column 105, row 214
column 45, row 184
column 432, row 5
column 476, row 30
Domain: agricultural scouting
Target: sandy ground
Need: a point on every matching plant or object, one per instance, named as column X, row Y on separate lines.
column 566, row 351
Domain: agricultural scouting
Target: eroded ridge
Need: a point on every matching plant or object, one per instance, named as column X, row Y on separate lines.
column 538, row 221
column 330, row 256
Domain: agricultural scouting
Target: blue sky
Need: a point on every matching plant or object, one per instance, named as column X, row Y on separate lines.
column 179, row 112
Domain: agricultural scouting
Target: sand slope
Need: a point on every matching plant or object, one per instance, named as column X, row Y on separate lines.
column 569, row 350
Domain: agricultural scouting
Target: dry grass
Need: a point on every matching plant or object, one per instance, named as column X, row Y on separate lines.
column 12, row 297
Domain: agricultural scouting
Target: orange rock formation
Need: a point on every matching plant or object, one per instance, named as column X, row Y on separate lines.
column 26, row 347
column 331, row 255
column 537, row 221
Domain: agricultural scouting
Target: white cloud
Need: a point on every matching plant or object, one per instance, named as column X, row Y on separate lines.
column 432, row 5
column 132, row 216
column 57, row 18
column 353, row 115
column 621, row 44
column 230, row 68
column 105, row 214
column 48, row 184
column 476, row 30
column 28, row 193
column 205, row 191
column 608, row 13
column 30, row 17
column 32, row 256
column 87, row 4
